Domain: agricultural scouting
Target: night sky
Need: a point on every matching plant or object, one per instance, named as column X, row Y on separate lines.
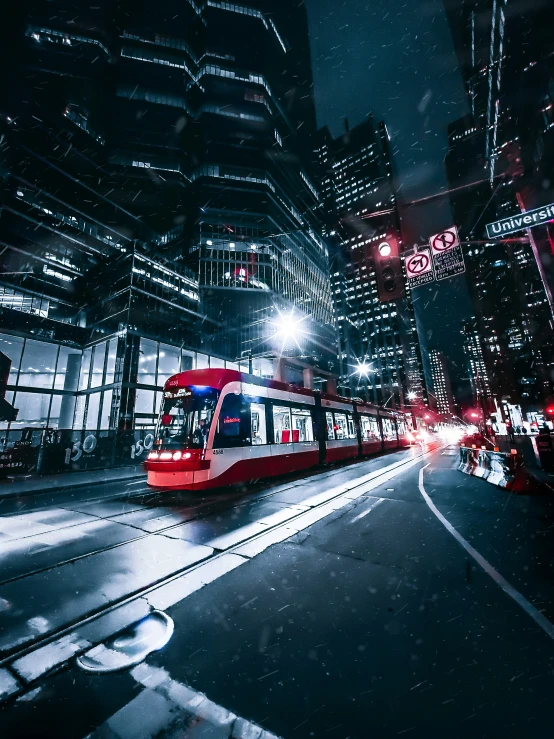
column 394, row 58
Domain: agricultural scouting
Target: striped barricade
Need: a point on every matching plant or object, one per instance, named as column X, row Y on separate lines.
column 503, row 470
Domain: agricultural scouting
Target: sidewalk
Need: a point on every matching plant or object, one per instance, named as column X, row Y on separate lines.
column 67, row 481
column 524, row 446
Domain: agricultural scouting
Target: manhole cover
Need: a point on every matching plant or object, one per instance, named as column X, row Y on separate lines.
column 129, row 647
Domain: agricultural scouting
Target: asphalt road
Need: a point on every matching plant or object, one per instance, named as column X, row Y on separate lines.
column 368, row 619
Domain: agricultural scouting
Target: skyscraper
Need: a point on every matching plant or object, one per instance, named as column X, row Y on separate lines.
column 379, row 349
column 156, row 211
column 497, row 157
column 441, row 382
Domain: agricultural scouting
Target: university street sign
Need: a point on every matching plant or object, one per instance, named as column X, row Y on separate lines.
column 522, row 221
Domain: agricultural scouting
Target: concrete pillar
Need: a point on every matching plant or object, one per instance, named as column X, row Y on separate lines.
column 332, row 385
column 71, row 380
column 308, row 376
column 279, row 370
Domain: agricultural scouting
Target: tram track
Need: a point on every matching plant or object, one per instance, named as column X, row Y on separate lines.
column 72, row 627
column 227, row 503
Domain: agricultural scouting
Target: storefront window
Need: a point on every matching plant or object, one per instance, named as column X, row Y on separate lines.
column 110, row 364
column 99, row 358
column 106, row 410
column 33, row 409
column 85, row 370
column 202, row 361
column 148, row 362
column 144, row 402
column 38, row 365
column 92, row 412
column 12, row 347
column 169, row 363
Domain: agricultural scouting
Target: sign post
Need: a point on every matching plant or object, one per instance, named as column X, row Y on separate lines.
column 448, row 257
column 419, row 268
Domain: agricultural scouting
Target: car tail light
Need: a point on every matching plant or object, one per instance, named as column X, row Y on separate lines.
column 153, row 455
column 177, row 456
column 165, row 455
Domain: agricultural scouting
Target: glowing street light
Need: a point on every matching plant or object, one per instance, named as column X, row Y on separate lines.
column 363, row 369
column 411, row 395
column 289, row 328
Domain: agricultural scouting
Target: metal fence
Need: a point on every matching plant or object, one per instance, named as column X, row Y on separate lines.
column 50, row 451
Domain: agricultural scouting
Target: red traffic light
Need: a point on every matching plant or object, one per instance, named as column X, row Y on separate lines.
column 549, row 410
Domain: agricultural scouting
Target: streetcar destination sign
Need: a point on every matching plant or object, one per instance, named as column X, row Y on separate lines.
column 522, row 221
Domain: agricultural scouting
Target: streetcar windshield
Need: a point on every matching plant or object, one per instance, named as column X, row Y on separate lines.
column 186, row 417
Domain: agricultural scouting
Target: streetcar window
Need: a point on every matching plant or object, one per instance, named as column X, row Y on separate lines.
column 330, row 425
column 351, row 427
column 233, row 424
column 259, row 430
column 341, row 426
column 282, row 425
column 389, row 431
column 302, row 425
column 185, row 418
column 370, row 428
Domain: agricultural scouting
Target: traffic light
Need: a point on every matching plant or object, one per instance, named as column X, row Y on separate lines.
column 388, row 269
column 549, row 411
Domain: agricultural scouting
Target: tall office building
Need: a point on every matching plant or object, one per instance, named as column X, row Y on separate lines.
column 379, row 350
column 496, row 164
column 476, row 365
column 442, row 388
column 156, row 214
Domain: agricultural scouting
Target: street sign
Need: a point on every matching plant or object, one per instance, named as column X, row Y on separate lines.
column 419, row 268
column 445, row 241
column 520, row 222
column 448, row 257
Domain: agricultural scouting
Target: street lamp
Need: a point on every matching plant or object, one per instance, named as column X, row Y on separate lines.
column 363, row 369
column 288, row 328
column 411, row 395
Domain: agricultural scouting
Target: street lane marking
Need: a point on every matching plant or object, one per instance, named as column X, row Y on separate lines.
column 372, row 507
column 168, row 705
column 522, row 602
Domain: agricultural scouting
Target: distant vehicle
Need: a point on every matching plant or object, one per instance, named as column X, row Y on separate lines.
column 223, row 427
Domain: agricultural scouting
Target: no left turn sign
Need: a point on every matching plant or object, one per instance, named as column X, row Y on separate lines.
column 419, row 268
column 418, row 264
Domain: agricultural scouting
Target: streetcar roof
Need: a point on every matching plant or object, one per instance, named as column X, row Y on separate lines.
column 219, row 378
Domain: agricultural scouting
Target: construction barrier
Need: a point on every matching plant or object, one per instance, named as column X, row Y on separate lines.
column 503, row 470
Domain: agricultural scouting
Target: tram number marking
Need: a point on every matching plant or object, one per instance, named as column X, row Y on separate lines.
column 218, row 451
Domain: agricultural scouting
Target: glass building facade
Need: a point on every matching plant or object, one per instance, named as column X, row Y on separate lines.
column 156, row 209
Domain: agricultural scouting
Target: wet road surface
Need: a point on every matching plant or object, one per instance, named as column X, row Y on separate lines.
column 371, row 621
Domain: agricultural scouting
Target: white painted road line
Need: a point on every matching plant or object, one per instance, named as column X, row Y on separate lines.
column 372, row 507
column 168, row 707
column 8, row 684
column 522, row 602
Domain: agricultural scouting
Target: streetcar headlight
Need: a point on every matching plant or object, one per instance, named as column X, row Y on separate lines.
column 153, row 455
column 176, row 456
column 187, row 455
column 165, row 455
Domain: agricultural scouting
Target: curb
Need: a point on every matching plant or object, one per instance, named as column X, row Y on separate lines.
column 60, row 488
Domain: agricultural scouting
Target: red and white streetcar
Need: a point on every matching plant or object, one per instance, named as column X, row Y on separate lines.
column 221, row 427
